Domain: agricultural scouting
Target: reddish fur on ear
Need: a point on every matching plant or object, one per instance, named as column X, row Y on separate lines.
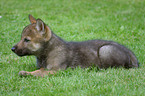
column 32, row 19
column 48, row 31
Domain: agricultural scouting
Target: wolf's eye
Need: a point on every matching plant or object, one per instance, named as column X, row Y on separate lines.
column 26, row 40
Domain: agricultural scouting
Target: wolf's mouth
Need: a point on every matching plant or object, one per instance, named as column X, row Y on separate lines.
column 20, row 52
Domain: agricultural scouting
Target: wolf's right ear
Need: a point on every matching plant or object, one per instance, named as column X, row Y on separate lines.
column 43, row 29
column 32, row 19
column 40, row 26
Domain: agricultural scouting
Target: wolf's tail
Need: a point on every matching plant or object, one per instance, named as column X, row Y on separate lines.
column 133, row 61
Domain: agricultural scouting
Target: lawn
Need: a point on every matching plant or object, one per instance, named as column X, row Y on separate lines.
column 122, row 21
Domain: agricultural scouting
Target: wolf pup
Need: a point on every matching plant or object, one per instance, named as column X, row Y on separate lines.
column 54, row 54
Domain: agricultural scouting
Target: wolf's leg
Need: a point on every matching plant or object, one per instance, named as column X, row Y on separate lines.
column 41, row 72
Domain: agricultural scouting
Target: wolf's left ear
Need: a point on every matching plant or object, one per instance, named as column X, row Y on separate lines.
column 43, row 29
column 32, row 19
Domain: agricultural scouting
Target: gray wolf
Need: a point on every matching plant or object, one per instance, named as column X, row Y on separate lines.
column 53, row 53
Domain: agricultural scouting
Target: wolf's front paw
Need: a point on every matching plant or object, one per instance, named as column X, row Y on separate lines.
column 23, row 73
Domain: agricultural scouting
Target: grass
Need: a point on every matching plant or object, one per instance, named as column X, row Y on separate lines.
column 122, row 21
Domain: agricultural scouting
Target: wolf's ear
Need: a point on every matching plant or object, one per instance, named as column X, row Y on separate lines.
column 40, row 26
column 43, row 29
column 32, row 19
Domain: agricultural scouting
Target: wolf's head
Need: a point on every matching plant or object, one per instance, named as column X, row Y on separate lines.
column 33, row 37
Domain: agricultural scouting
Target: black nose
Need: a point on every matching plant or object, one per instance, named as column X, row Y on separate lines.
column 13, row 49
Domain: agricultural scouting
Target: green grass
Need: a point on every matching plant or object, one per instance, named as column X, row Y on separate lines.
column 122, row 21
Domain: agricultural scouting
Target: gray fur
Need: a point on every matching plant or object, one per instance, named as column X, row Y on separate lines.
column 54, row 53
column 58, row 54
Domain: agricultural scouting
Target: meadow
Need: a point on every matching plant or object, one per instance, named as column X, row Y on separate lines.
column 122, row 21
